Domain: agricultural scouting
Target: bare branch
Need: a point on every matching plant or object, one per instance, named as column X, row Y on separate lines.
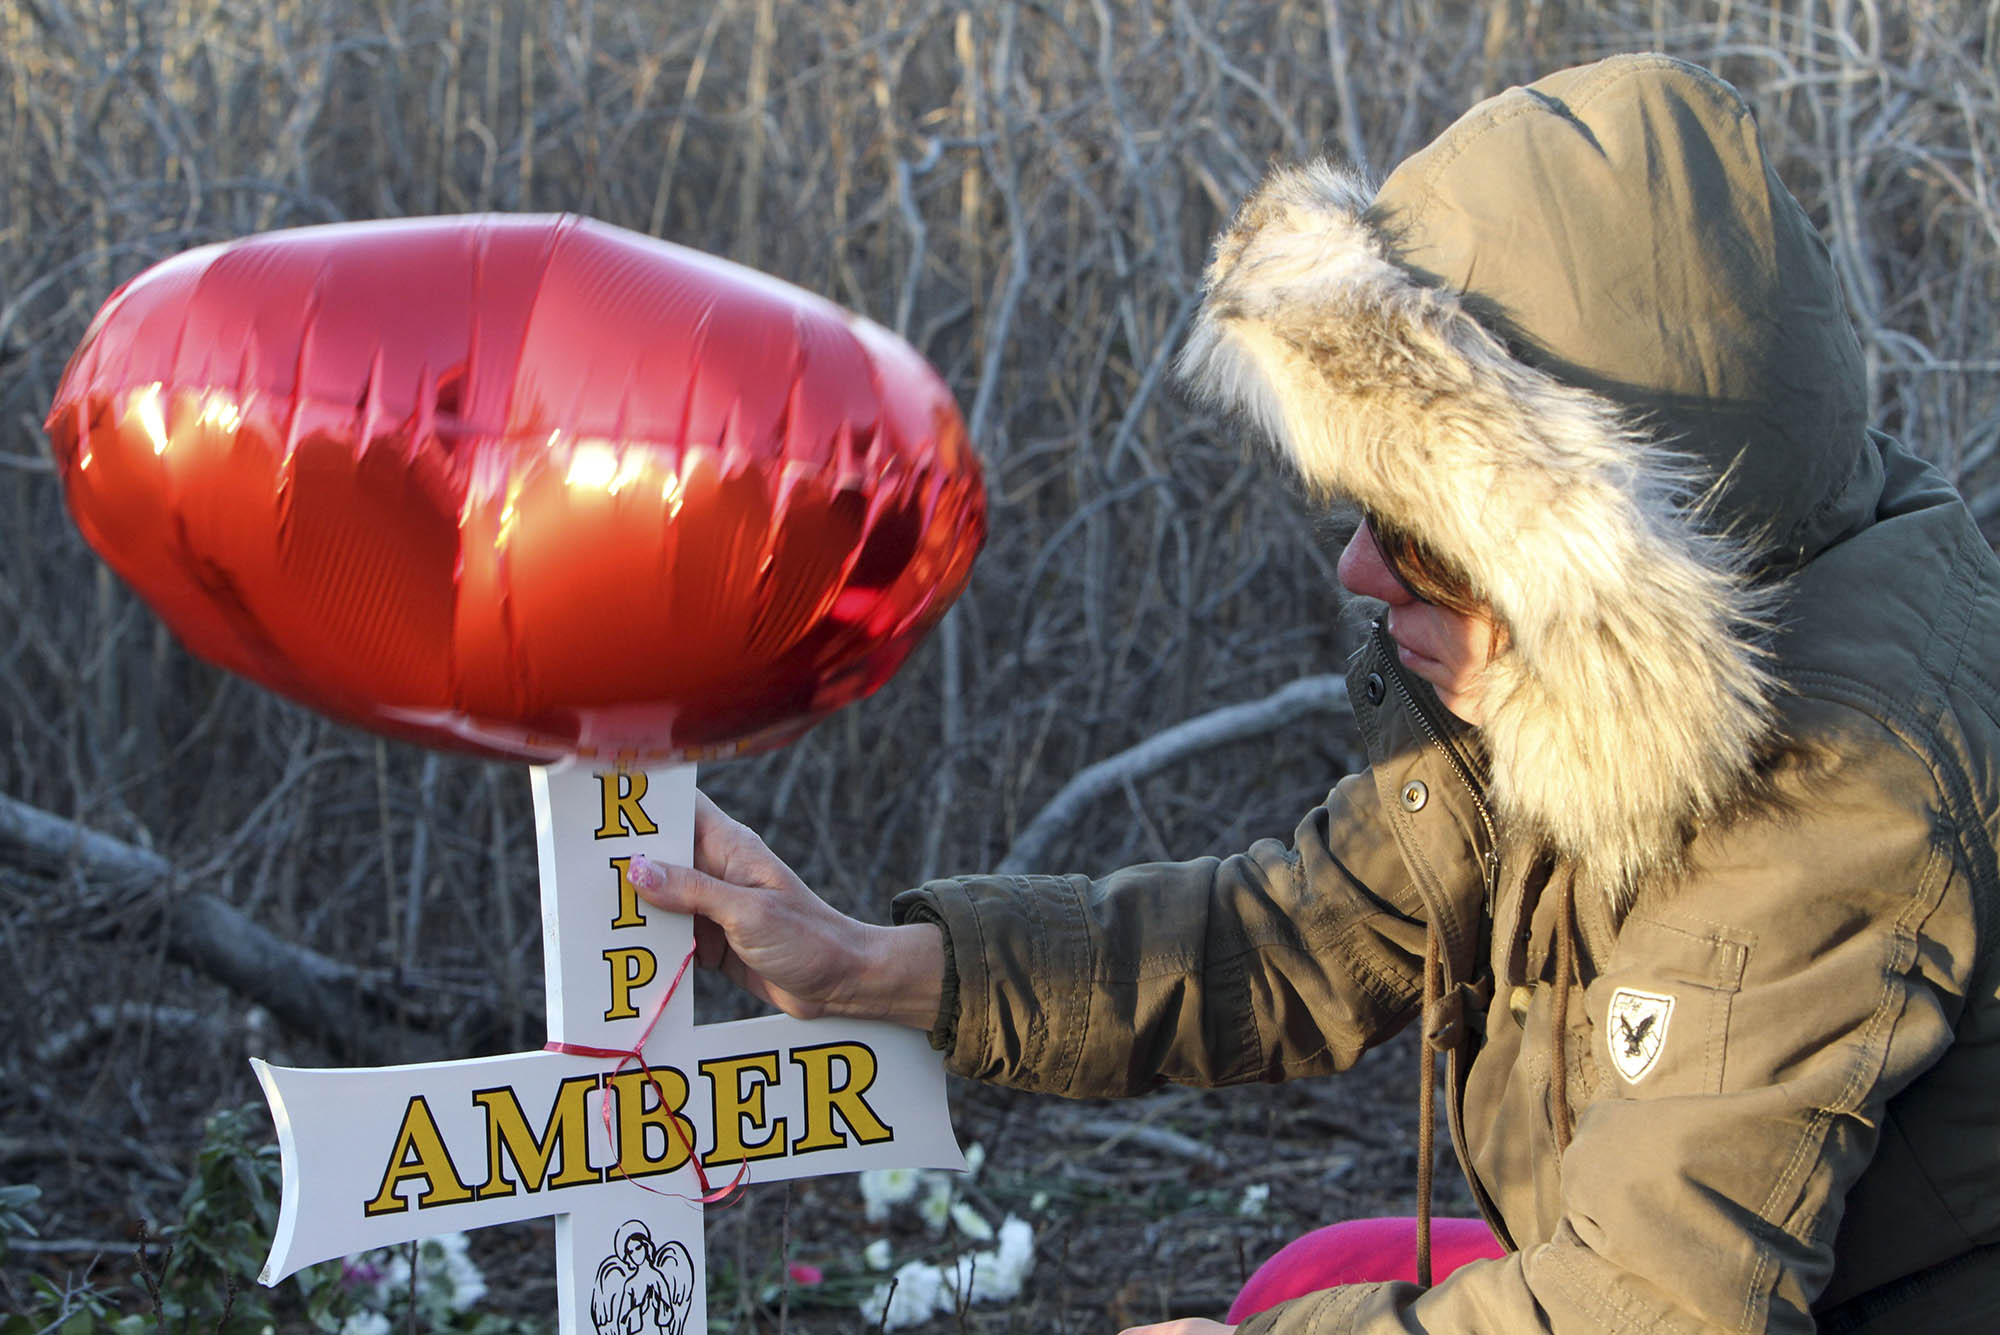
column 302, row 988
column 1232, row 723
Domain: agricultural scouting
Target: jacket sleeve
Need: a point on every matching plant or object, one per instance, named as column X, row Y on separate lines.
column 1818, row 957
column 1271, row 963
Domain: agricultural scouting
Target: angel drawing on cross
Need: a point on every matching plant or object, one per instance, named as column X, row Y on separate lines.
column 642, row 1289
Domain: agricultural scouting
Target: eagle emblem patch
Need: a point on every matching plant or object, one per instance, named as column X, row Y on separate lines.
column 1637, row 1030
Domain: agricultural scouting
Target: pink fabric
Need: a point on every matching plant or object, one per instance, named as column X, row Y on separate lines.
column 1361, row 1251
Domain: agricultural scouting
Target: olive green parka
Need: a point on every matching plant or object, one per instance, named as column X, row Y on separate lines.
column 1711, row 891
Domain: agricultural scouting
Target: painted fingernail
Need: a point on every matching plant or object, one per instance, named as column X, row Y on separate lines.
column 642, row 873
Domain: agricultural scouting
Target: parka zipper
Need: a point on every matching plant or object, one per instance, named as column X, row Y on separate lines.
column 1434, row 732
column 1489, row 858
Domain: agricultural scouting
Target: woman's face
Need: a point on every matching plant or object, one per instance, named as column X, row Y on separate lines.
column 1447, row 649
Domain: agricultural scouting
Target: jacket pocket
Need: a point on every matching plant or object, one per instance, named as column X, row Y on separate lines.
column 1660, row 1012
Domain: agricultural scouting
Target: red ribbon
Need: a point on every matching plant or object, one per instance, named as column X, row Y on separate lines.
column 710, row 1195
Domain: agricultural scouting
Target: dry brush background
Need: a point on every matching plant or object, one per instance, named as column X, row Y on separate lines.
column 1024, row 189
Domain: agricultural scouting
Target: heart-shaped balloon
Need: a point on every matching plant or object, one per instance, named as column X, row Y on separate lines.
column 522, row 485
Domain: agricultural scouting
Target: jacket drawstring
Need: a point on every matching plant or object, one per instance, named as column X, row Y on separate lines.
column 1559, row 1039
column 1427, row 1102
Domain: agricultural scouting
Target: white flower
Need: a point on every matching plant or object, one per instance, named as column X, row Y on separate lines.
column 468, row 1286
column 970, row 1223
column 884, row 1187
column 1017, row 1245
column 963, row 1277
column 975, row 1159
column 936, row 1204
column 365, row 1323
column 1039, row 1201
column 916, row 1292
column 995, row 1275
column 921, row 1290
column 878, row 1254
column 1255, row 1197
column 445, row 1268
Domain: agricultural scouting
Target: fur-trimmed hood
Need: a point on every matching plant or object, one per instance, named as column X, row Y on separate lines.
column 1588, row 349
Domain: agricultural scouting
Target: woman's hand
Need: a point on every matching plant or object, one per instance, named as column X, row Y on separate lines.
column 759, row 923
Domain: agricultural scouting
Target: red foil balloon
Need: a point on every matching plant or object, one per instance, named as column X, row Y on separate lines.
column 526, row 486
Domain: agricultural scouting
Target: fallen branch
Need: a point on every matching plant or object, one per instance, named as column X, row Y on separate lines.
column 82, row 1247
column 101, row 1021
column 1160, row 1139
column 304, row 989
column 1033, row 846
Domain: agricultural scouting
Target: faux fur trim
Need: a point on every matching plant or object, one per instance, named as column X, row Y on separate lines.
column 1631, row 702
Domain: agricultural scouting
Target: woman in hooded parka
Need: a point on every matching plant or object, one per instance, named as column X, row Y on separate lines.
column 1678, row 835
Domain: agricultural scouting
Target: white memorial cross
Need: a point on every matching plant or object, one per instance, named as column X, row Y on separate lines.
column 379, row 1156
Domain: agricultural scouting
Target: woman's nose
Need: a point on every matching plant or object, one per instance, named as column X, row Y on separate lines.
column 1362, row 570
